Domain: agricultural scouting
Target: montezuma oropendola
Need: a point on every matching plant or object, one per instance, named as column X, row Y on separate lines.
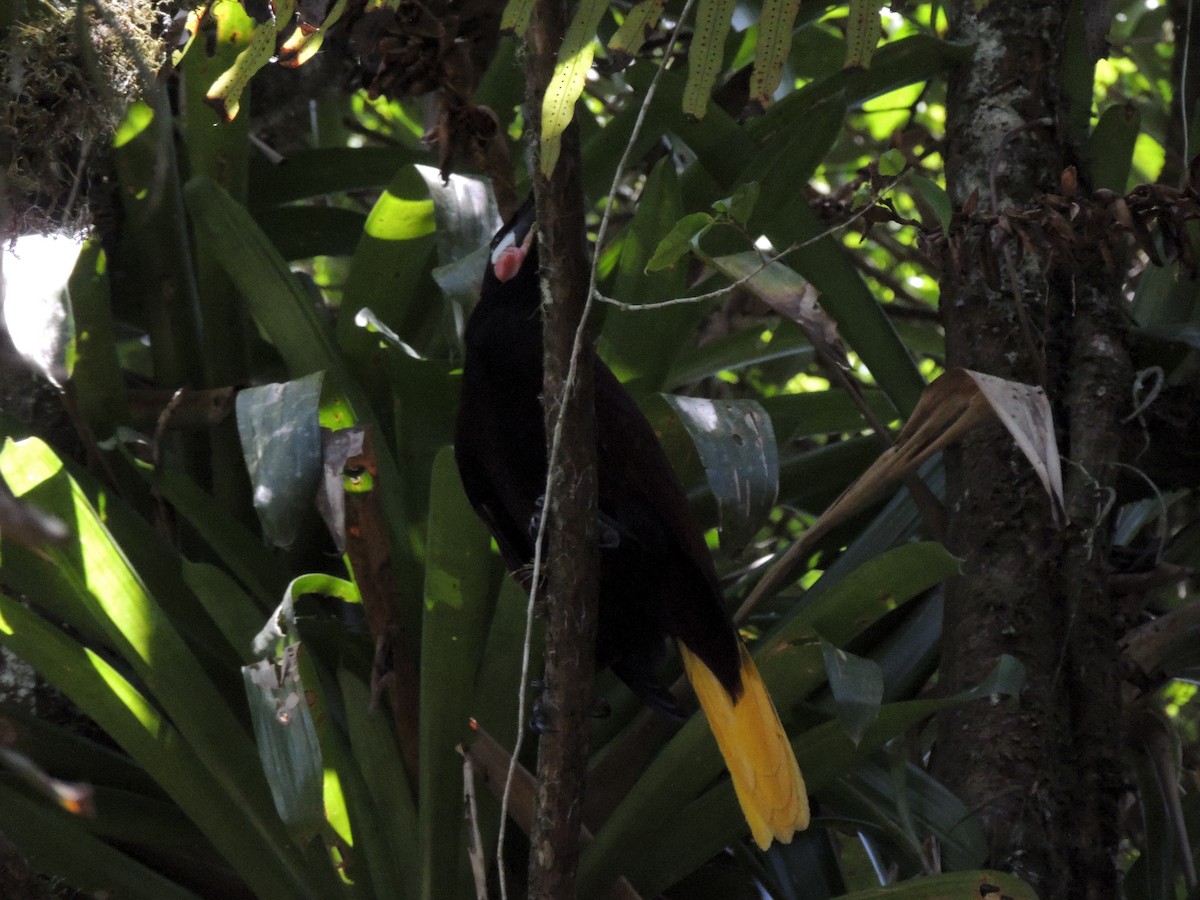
column 656, row 574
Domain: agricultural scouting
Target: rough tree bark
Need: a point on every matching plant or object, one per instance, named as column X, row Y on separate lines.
column 1043, row 776
column 572, row 558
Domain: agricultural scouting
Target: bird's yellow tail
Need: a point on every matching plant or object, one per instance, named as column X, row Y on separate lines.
column 765, row 774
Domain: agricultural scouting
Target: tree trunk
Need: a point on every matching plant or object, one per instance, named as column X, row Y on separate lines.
column 572, row 560
column 1042, row 775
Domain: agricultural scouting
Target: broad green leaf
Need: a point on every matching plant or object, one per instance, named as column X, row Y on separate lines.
column 98, row 382
column 950, row 886
column 679, row 240
column 740, row 204
column 737, row 446
column 857, row 686
column 774, row 42
column 639, row 346
column 287, row 741
column 457, row 610
column 566, row 84
column 293, row 323
column 54, row 841
column 790, row 662
column 281, row 443
column 382, row 809
column 240, row 550
column 821, row 412
column 141, row 730
column 300, row 232
column 747, row 347
column 825, row 753
column 1110, row 146
column 102, row 582
column 706, row 54
column 389, row 274
column 937, row 198
column 227, row 604
column 324, row 170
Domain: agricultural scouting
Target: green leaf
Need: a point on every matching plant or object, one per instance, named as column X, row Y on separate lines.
column 737, row 446
column 377, row 792
column 706, row 54
column 457, row 609
column 566, row 84
column 281, row 442
column 287, row 741
column 296, row 327
column 863, row 32
column 640, row 345
column 101, row 581
column 740, row 204
column 679, row 240
column 950, row 885
column 1110, row 146
column 774, row 42
column 56, row 842
column 324, row 170
column 142, row 731
column 937, row 198
column 98, row 382
column 631, row 35
column 517, row 15
column 790, row 662
column 825, row 753
column 857, row 686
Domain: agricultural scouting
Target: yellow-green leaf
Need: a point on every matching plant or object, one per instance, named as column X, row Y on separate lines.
column 226, row 92
column 632, row 33
column 774, row 43
column 570, row 74
column 517, row 15
column 706, row 53
column 863, row 31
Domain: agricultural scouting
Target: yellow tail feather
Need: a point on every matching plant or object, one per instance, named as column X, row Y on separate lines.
column 765, row 775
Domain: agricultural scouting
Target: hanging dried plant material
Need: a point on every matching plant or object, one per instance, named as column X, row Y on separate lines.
column 863, row 33
column 570, row 75
column 706, row 53
column 629, row 38
column 949, row 409
column 774, row 44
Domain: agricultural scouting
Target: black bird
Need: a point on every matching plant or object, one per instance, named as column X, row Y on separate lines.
column 656, row 574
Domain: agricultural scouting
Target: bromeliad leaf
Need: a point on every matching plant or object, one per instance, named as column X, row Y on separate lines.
column 857, row 686
column 281, row 441
column 737, row 446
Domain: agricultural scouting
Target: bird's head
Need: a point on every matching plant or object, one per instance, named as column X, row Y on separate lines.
column 514, row 246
